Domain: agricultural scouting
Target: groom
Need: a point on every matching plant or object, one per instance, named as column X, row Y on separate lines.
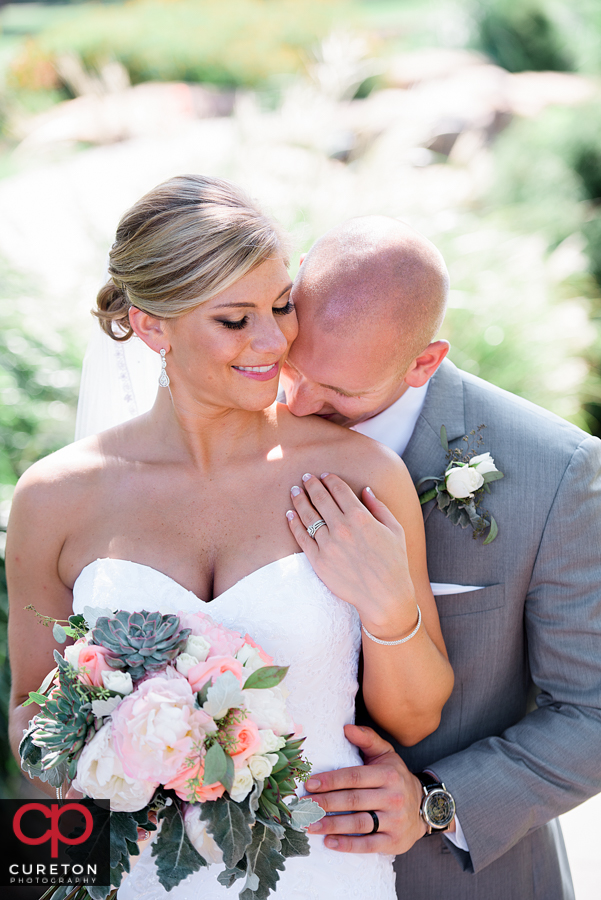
column 520, row 738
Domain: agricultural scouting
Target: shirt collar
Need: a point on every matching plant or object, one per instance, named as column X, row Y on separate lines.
column 394, row 425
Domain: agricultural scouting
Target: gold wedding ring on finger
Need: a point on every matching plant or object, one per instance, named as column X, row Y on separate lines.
column 313, row 528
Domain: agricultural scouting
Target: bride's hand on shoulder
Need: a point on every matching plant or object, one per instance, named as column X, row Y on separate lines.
column 360, row 553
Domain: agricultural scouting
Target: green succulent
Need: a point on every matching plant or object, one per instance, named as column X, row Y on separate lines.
column 142, row 642
column 62, row 726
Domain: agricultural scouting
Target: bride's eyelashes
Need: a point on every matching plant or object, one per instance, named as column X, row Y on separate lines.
column 277, row 311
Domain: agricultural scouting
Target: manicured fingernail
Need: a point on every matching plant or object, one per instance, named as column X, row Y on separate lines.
column 369, row 491
column 313, row 784
column 331, row 842
column 324, row 474
column 143, row 835
column 290, row 515
column 295, row 491
column 307, row 476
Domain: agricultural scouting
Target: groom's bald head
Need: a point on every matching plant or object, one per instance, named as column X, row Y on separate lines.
column 376, row 274
column 370, row 297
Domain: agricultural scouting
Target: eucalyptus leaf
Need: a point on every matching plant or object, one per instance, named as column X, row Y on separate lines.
column 223, row 695
column 175, row 856
column 266, row 677
column 304, row 812
column 47, row 681
column 36, row 697
column 492, row 476
column 58, row 633
column 230, row 773
column 494, row 530
column 443, row 439
column 229, row 823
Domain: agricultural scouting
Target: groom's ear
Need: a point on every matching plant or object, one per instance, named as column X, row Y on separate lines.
column 425, row 365
column 149, row 329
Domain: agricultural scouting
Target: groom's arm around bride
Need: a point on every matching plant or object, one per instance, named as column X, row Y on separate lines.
column 519, row 739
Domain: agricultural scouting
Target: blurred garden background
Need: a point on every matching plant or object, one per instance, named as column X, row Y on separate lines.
column 476, row 121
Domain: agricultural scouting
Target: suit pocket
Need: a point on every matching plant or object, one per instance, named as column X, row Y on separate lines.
column 487, row 598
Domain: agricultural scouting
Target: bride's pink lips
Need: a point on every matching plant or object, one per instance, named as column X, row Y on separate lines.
column 260, row 376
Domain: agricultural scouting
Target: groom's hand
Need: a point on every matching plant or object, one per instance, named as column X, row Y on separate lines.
column 384, row 784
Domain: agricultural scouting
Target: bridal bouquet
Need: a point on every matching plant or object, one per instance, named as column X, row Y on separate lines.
column 179, row 716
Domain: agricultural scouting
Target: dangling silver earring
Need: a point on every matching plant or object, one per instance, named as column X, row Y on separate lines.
column 163, row 377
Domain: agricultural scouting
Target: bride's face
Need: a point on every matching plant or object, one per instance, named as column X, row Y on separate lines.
column 228, row 351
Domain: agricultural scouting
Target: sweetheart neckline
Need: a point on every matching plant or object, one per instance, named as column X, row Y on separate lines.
column 131, row 562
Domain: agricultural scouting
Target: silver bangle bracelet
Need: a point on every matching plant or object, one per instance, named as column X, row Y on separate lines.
column 402, row 640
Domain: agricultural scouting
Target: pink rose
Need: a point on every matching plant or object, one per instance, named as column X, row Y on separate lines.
column 265, row 657
column 223, row 641
column 248, row 741
column 199, row 674
column 187, row 784
column 92, row 663
column 157, row 728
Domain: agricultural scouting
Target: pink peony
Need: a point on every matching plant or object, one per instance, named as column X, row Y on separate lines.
column 265, row 657
column 157, row 728
column 248, row 741
column 199, row 674
column 195, row 792
column 224, row 642
column 92, row 663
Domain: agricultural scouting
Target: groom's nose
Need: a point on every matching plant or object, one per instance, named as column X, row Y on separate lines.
column 302, row 397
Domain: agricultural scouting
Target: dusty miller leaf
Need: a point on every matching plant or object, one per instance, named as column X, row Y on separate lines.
column 263, row 859
column 175, row 857
column 229, row 823
column 102, row 708
column 224, row 694
column 305, row 812
column 295, row 843
column 91, row 615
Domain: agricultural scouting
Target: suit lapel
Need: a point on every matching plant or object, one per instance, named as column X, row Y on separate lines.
column 444, row 406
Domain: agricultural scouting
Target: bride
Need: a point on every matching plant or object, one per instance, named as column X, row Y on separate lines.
column 203, row 500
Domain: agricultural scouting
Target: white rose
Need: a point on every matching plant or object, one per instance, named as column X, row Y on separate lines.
column 203, row 842
column 261, row 766
column 462, row 481
column 484, row 463
column 100, row 775
column 118, row 681
column 197, row 646
column 267, row 708
column 270, row 742
column 71, row 654
column 184, row 663
column 242, row 785
column 250, row 658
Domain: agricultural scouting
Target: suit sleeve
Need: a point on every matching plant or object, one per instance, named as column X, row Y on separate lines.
column 549, row 762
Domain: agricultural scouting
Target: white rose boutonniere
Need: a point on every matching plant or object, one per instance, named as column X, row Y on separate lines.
column 459, row 491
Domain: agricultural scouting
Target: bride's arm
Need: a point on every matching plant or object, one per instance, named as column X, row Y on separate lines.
column 373, row 555
column 35, row 537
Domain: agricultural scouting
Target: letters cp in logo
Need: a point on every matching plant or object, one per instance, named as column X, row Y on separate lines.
column 53, row 834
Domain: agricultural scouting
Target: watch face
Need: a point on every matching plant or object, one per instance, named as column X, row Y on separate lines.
column 439, row 809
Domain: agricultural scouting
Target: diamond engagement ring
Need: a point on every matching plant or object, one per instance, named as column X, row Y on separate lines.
column 313, row 528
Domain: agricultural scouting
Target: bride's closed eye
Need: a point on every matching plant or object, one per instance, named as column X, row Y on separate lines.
column 240, row 323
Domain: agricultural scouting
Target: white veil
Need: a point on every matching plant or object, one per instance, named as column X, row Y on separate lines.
column 119, row 381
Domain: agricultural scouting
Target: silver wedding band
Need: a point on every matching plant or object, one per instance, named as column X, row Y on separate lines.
column 313, row 528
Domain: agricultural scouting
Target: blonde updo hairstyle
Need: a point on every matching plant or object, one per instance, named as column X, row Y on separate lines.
column 184, row 242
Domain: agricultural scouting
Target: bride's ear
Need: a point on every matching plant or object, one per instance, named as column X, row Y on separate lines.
column 149, row 329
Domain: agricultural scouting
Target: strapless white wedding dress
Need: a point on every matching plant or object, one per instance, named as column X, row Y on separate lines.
column 297, row 620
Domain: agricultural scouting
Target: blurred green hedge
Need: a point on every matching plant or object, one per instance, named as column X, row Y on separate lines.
column 238, row 43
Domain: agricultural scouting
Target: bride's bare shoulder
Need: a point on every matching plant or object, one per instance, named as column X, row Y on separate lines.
column 351, row 455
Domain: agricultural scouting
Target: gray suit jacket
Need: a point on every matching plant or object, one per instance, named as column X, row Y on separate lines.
column 520, row 738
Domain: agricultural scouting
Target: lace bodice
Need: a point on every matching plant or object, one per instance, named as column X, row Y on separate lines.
column 297, row 620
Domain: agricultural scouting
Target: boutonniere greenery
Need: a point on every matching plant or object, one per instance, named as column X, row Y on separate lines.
column 459, row 491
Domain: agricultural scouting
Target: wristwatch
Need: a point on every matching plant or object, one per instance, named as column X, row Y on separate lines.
column 438, row 807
